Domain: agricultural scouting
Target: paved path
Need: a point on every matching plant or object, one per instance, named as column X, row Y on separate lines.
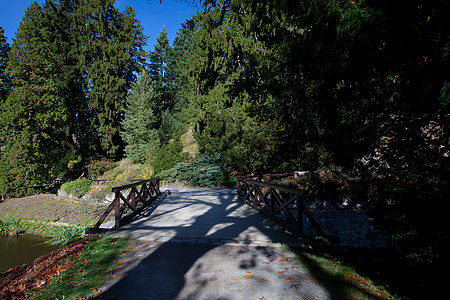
column 206, row 244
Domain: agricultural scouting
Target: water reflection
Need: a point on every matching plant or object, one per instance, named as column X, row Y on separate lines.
column 16, row 251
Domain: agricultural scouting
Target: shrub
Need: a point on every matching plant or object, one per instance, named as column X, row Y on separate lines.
column 204, row 172
column 96, row 168
column 77, row 188
column 169, row 155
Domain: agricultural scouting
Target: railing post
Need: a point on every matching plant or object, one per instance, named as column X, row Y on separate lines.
column 299, row 215
column 117, row 210
column 133, row 197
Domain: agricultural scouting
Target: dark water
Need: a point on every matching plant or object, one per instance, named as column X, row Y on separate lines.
column 16, row 251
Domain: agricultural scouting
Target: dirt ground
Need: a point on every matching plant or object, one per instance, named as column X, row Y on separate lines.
column 48, row 207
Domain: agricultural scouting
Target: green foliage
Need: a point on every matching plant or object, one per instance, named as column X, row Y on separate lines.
column 95, row 168
column 77, row 188
column 63, row 235
column 71, row 66
column 87, row 270
column 141, row 120
column 203, row 172
column 5, row 81
column 10, row 225
column 169, row 155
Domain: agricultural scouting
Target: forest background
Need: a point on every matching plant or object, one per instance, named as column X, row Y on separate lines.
column 264, row 86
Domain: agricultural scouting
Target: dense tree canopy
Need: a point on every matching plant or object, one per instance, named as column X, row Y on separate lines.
column 71, row 63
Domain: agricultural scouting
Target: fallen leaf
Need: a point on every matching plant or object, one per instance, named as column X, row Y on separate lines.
column 249, row 276
column 213, row 279
column 262, row 280
column 289, row 278
column 294, row 286
column 236, row 278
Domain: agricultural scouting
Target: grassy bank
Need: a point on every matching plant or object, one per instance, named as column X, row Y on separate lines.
column 85, row 272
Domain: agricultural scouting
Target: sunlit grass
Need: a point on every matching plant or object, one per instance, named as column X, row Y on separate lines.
column 86, row 272
column 10, row 225
column 63, row 235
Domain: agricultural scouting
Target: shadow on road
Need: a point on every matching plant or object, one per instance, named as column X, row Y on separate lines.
column 193, row 263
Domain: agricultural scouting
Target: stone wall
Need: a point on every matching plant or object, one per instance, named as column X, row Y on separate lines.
column 352, row 226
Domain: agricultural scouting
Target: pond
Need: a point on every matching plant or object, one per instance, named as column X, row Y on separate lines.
column 16, row 251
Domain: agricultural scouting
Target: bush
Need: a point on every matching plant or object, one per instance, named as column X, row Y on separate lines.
column 96, row 168
column 203, row 172
column 169, row 155
column 77, row 188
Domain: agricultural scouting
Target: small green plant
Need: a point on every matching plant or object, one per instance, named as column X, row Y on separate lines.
column 10, row 225
column 63, row 235
column 77, row 188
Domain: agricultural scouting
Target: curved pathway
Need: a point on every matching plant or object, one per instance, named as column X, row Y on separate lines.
column 206, row 244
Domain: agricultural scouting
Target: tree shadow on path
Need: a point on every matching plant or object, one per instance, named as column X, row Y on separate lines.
column 193, row 262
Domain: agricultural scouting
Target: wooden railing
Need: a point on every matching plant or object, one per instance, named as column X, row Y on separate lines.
column 282, row 204
column 136, row 200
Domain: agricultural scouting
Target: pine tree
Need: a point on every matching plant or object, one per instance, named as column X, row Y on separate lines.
column 5, row 81
column 162, row 74
column 139, row 123
column 34, row 116
column 111, row 54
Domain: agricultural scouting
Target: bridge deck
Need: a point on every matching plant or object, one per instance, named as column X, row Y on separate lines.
column 206, row 244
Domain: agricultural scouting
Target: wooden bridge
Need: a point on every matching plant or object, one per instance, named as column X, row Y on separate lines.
column 207, row 244
column 284, row 205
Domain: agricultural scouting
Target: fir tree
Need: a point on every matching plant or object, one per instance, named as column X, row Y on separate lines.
column 111, row 54
column 5, row 81
column 34, row 116
column 139, row 123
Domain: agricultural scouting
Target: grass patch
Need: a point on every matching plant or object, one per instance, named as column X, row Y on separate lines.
column 63, row 235
column 77, row 188
column 10, row 225
column 59, row 235
column 338, row 276
column 86, row 272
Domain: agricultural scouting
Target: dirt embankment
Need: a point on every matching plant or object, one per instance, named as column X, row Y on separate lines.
column 48, row 207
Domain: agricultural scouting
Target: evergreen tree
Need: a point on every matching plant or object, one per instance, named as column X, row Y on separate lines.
column 33, row 116
column 162, row 75
column 72, row 63
column 5, row 81
column 111, row 53
column 139, row 123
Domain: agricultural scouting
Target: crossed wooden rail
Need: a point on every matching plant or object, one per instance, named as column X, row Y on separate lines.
column 136, row 200
column 282, row 204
